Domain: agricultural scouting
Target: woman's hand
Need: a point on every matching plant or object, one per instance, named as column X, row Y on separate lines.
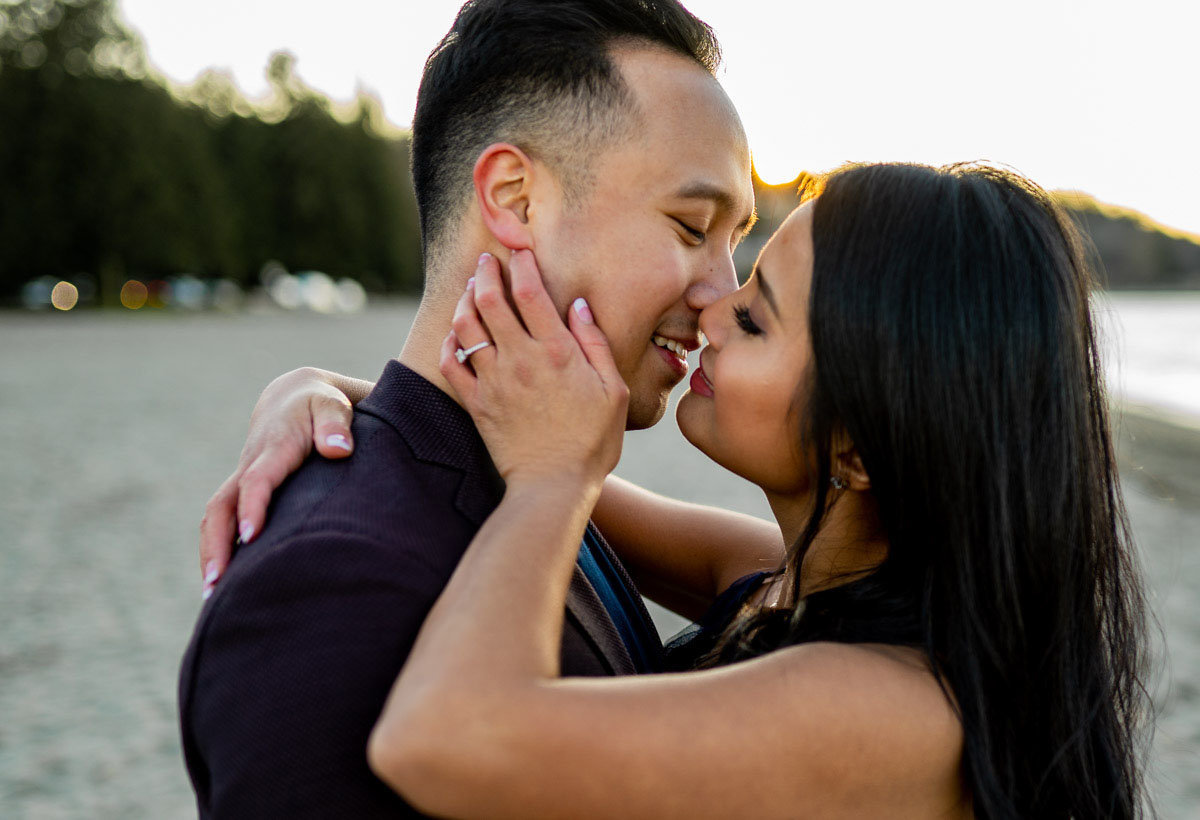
column 300, row 410
column 547, row 398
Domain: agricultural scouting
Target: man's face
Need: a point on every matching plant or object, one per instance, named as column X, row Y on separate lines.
column 652, row 243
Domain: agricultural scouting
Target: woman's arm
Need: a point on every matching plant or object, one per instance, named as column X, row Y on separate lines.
column 478, row 723
column 683, row 555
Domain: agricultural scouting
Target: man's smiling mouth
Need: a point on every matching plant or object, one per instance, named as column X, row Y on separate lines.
column 670, row 344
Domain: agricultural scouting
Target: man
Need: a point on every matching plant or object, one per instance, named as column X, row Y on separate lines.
column 593, row 133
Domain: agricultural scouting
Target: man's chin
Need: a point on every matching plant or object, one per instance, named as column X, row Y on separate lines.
column 646, row 410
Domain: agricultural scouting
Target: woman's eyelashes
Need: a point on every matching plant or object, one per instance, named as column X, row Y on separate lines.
column 741, row 315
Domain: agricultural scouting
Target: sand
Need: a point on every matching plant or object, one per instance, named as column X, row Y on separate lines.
column 115, row 429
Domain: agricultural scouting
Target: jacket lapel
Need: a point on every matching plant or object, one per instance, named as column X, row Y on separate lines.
column 642, row 620
column 585, row 608
column 439, row 431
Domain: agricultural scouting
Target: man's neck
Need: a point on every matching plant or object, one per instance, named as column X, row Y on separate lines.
column 422, row 350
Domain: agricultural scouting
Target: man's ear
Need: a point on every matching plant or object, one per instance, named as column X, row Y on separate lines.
column 847, row 464
column 503, row 188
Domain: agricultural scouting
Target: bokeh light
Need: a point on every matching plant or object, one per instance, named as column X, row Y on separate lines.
column 134, row 294
column 159, row 294
column 65, row 296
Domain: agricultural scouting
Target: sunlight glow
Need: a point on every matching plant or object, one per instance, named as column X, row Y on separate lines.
column 1094, row 98
column 776, row 167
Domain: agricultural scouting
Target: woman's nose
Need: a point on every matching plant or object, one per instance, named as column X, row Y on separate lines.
column 710, row 323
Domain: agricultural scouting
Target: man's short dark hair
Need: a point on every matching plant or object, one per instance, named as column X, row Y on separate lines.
column 537, row 74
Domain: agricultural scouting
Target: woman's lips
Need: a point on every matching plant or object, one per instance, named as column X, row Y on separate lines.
column 700, row 384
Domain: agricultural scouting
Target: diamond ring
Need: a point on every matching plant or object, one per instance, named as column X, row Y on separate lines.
column 463, row 355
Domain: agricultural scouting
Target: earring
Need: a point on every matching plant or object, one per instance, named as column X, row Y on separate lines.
column 838, row 482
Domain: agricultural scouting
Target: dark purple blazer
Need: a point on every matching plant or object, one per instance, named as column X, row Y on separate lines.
column 293, row 656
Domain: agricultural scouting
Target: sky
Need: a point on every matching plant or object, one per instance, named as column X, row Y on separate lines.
column 1090, row 95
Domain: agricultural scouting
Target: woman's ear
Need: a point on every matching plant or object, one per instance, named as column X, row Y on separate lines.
column 847, row 464
column 503, row 187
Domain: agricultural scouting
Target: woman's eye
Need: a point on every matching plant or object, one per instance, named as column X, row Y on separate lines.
column 741, row 315
column 695, row 234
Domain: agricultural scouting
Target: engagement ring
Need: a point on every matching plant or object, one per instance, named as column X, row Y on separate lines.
column 463, row 355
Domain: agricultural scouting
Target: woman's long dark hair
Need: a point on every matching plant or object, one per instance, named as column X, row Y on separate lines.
column 953, row 341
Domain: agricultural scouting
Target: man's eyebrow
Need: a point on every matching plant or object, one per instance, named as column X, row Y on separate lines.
column 723, row 199
column 765, row 289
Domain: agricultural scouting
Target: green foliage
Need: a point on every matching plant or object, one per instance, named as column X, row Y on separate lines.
column 105, row 171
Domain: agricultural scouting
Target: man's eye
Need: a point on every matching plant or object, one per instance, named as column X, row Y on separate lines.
column 741, row 315
column 695, row 234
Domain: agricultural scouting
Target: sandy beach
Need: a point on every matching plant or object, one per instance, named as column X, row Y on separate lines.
column 116, row 427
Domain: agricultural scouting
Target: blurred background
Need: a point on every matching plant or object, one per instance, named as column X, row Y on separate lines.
column 195, row 197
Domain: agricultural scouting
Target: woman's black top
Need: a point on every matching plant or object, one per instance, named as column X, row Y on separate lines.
column 861, row 611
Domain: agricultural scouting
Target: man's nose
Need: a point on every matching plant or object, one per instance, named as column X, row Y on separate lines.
column 715, row 281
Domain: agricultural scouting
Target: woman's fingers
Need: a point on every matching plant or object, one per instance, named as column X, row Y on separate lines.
column 217, row 529
column 469, row 330
column 260, row 480
column 595, row 346
column 491, row 302
column 299, row 411
column 332, row 414
column 529, row 295
column 462, row 378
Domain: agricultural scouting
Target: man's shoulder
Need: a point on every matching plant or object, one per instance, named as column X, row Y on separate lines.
column 381, row 495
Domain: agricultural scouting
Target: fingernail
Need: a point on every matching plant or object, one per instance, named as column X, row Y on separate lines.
column 206, row 594
column 246, row 531
column 483, row 258
column 471, row 284
column 339, row 441
column 211, row 573
column 585, row 312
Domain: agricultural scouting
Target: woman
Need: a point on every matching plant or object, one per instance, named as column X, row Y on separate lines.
column 955, row 627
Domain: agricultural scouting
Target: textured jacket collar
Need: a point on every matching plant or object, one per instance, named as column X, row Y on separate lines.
column 439, row 431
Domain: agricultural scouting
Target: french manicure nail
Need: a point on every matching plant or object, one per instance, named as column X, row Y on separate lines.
column 585, row 312
column 246, row 531
column 339, row 441
column 206, row 594
column 211, row 573
column 471, row 283
column 483, row 258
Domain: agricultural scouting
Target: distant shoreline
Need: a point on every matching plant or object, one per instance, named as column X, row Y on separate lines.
column 1160, row 448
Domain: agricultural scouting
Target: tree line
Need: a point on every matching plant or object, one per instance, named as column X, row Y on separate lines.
column 108, row 172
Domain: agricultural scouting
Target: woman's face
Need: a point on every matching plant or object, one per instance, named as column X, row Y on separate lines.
column 740, row 408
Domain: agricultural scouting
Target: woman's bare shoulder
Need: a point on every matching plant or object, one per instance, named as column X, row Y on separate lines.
column 886, row 709
column 875, row 676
